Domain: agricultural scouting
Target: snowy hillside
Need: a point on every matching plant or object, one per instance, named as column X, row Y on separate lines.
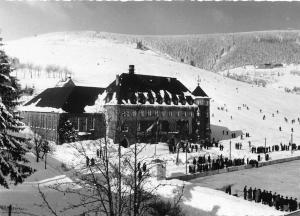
column 285, row 78
column 96, row 62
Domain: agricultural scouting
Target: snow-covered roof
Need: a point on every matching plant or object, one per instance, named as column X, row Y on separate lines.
column 64, row 99
column 145, row 89
column 198, row 92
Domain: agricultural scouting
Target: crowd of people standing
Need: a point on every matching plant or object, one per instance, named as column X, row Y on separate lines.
column 281, row 147
column 204, row 164
column 272, row 199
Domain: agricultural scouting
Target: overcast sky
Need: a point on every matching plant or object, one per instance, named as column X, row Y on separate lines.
column 21, row 19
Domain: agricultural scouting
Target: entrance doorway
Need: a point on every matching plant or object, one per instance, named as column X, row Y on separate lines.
column 125, row 143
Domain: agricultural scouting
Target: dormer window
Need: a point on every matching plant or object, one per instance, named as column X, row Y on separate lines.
column 133, row 99
column 159, row 98
column 167, row 99
column 141, row 98
column 182, row 99
column 150, row 98
column 175, row 99
column 190, row 100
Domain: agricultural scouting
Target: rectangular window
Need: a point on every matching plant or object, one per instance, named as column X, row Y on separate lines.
column 93, row 119
column 178, row 113
column 86, row 124
column 42, row 121
column 184, row 113
column 46, row 124
column 29, row 117
column 142, row 113
column 51, row 122
column 134, row 113
column 148, row 112
column 138, row 126
column 54, row 122
column 78, row 124
column 75, row 123
column 170, row 113
column 156, row 113
column 82, row 124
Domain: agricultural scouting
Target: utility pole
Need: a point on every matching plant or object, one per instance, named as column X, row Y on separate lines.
column 292, row 143
column 265, row 146
column 135, row 210
column 186, row 159
column 230, row 150
column 45, row 160
column 119, row 189
column 156, row 139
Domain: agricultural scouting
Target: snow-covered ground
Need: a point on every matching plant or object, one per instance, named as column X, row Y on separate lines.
column 197, row 199
column 95, row 62
column 204, row 201
column 278, row 78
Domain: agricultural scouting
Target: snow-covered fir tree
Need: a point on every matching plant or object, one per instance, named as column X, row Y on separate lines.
column 67, row 132
column 13, row 164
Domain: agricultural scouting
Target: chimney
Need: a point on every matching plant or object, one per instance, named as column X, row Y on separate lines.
column 131, row 69
column 117, row 80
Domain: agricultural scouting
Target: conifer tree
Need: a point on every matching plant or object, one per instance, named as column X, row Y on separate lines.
column 67, row 132
column 13, row 164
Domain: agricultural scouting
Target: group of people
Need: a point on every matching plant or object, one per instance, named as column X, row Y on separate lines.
column 221, row 147
column 293, row 121
column 281, row 147
column 268, row 198
column 204, row 164
column 238, row 146
column 90, row 162
column 141, row 170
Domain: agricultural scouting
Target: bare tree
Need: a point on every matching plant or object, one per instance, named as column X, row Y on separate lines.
column 113, row 183
column 40, row 147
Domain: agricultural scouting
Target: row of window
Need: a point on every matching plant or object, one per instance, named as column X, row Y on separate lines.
column 50, row 122
column 83, row 124
column 151, row 113
column 203, row 102
column 163, row 126
column 44, row 121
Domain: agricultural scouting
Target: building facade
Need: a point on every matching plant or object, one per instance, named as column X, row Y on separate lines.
column 142, row 108
column 47, row 112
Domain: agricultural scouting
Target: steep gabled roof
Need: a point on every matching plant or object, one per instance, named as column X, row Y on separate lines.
column 70, row 99
column 156, row 86
column 198, row 92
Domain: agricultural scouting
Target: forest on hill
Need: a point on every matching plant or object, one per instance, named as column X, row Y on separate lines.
column 218, row 52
